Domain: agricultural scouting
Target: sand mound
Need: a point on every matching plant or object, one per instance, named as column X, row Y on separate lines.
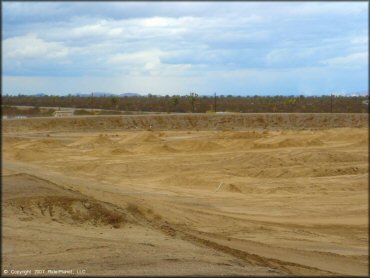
column 342, row 171
column 233, row 188
column 199, row 146
column 40, row 144
column 293, row 163
column 307, row 205
column 154, row 148
column 330, row 157
column 88, row 167
column 295, row 172
column 65, row 210
column 92, row 141
column 32, row 155
column 243, row 135
column 50, row 142
column 98, row 151
column 186, row 122
column 198, row 183
column 345, row 134
column 32, row 199
column 118, row 151
column 145, row 137
column 236, row 144
column 183, row 181
column 287, row 142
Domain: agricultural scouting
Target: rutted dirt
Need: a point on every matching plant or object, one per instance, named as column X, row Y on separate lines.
column 233, row 201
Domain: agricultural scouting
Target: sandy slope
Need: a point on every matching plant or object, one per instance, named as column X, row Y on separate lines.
column 248, row 202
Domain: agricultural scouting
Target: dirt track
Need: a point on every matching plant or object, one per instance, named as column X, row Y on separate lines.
column 197, row 195
column 189, row 122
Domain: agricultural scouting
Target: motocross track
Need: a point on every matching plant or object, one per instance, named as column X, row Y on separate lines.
column 253, row 194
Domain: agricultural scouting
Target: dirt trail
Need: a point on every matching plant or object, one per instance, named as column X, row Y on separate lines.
column 270, row 201
column 101, row 238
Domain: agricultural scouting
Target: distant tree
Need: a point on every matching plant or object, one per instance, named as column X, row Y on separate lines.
column 114, row 101
column 175, row 101
column 192, row 99
column 251, row 104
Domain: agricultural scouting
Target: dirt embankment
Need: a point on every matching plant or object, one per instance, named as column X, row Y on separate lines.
column 189, row 121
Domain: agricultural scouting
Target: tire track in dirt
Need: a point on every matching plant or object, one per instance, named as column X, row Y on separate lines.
column 281, row 267
column 143, row 215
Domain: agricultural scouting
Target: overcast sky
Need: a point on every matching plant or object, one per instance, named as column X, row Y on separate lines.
column 174, row 48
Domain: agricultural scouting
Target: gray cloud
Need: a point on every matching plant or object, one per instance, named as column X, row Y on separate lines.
column 225, row 45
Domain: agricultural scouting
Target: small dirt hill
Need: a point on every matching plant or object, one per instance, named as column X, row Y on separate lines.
column 188, row 122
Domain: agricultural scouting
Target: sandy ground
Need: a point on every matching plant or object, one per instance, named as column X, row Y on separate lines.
column 242, row 201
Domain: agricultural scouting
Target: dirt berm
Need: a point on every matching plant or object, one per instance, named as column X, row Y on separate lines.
column 189, row 121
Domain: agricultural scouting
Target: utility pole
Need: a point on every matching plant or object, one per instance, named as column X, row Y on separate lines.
column 215, row 105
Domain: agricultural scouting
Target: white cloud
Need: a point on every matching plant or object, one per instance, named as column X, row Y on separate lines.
column 100, row 28
column 335, row 8
column 352, row 60
column 360, row 40
column 157, row 22
column 284, row 55
column 149, row 59
column 32, row 47
column 148, row 63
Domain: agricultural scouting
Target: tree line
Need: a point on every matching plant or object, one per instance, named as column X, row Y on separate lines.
column 199, row 104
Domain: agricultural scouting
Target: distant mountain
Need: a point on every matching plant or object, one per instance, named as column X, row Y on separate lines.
column 96, row 94
column 362, row 94
column 105, row 94
column 129, row 95
column 352, row 94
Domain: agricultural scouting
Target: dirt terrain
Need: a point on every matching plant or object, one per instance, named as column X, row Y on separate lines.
column 267, row 194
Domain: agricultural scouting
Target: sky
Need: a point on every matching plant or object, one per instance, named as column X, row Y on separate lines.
column 239, row 48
